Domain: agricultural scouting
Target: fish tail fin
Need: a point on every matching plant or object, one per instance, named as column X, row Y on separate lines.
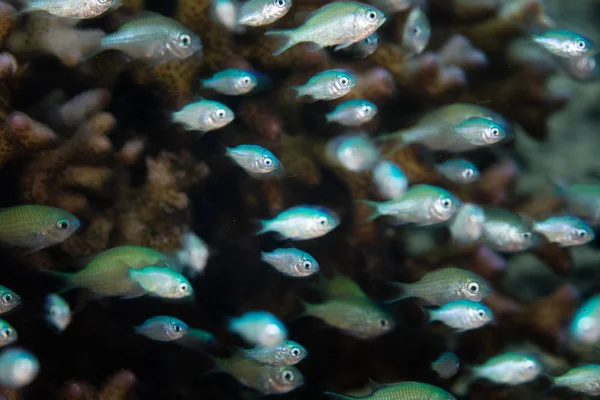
column 328, row 118
column 429, row 315
column 287, row 39
column 299, row 91
column 552, row 382
column 374, row 206
column 404, row 292
column 263, row 226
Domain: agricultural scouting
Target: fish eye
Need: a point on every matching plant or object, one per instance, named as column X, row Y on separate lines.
column 480, row 313
column 246, row 81
column 581, row 233
column 384, row 323
column 468, row 173
column 177, row 328
column 446, row 202
column 220, row 113
column 344, row 81
column 473, row 287
column 295, row 352
column 183, row 287
column 367, row 110
column 185, row 40
column 55, row 310
column 495, row 132
column 287, row 375
column 371, row 15
column 307, row 265
column 580, row 44
column 322, row 221
column 6, row 333
column 416, row 31
column 63, row 224
column 279, row 3
column 526, row 235
column 7, row 298
column 268, row 162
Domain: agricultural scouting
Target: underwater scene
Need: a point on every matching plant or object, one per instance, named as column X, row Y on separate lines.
column 299, row 199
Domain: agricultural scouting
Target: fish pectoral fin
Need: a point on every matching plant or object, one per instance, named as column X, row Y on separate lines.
column 342, row 46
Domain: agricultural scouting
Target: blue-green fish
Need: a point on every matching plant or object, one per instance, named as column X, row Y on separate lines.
column 286, row 353
column 162, row 282
column 582, row 200
column 458, row 170
column 194, row 254
column 8, row 334
column 509, row 369
column 18, row 368
column 35, row 227
column 391, row 182
column 416, row 32
column 402, row 391
column 77, row 9
column 301, row 223
column 421, row 204
column 267, row 379
column 57, row 312
column 506, row 231
column 353, row 113
column 257, row 161
column 204, row 116
column 445, row 285
column 336, row 24
column 463, row 315
column 584, row 379
column 355, row 152
column 233, row 82
column 585, row 326
column 364, row 48
column 566, row 44
column 259, row 328
column 446, row 365
column 291, row 262
column 263, row 12
column 8, row 299
column 153, row 37
column 467, row 225
column 566, row 230
column 162, row 328
column 327, row 85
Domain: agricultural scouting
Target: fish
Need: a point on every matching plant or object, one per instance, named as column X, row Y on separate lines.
column 565, row 230
column 267, row 379
column 194, row 254
column 511, row 368
column 259, row 328
column 506, row 231
column 355, row 152
column 463, row 315
column 152, row 37
column 583, row 200
column 291, row 262
column 340, row 286
column 35, row 227
column 162, row 282
column 421, row 204
column 263, row 12
column 226, row 12
column 233, row 82
column 162, row 328
column 402, row 391
column 8, row 299
column 204, row 116
column 585, row 325
column 327, row 85
column 358, row 317
column 301, row 223
column 336, row 24
column 107, row 273
column 286, row 353
column 566, row 44
column 363, row 48
column 445, row 285
column 584, row 379
column 467, row 225
column 390, row 180
column 446, row 365
column 458, row 170
column 353, row 113
column 76, row 9
column 18, row 368
column 57, row 312
column 583, row 68
column 416, row 32
column 8, row 334
column 257, row 161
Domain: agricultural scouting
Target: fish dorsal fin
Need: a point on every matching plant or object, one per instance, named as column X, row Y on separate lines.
column 301, row 17
column 142, row 15
column 342, row 286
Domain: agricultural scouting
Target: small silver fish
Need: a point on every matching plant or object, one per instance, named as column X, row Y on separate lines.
column 463, row 315
column 327, row 85
column 446, row 285
column 162, row 328
column 233, row 82
column 227, row 13
column 286, row 353
column 8, row 299
column 566, row 231
column 585, row 325
column 391, row 182
column 194, row 254
column 291, row 262
column 8, row 334
column 257, row 161
column 263, row 12
column 509, row 369
column 446, row 365
column 203, row 116
column 355, row 152
column 57, row 312
column 153, row 37
column 416, row 32
column 301, row 223
column 77, row 9
column 18, row 368
column 162, row 282
column 507, row 232
column 467, row 225
column 458, row 170
column 259, row 328
column 566, row 44
column 336, row 24
column 364, row 48
column 584, row 379
column 353, row 113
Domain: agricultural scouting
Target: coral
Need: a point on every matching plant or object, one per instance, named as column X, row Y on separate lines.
column 116, row 387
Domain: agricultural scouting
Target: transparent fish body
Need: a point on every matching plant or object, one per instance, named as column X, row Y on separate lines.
column 233, row 82
column 585, row 325
column 8, row 334
column 566, row 44
column 204, row 116
column 416, row 32
column 194, row 254
column 355, row 152
column 162, row 328
column 57, row 312
column 446, row 365
column 584, row 379
column 353, row 113
column 403, row 391
column 161, row 282
column 227, row 13
column 286, row 353
column 463, row 315
column 77, row 9
column 459, row 170
column 291, row 262
column 263, row 12
column 18, row 368
column 8, row 299
column 565, row 230
column 327, row 85
column 257, row 161
column 302, row 223
column 509, row 369
column 391, row 182
column 259, row 328
column 467, row 225
column 506, row 231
